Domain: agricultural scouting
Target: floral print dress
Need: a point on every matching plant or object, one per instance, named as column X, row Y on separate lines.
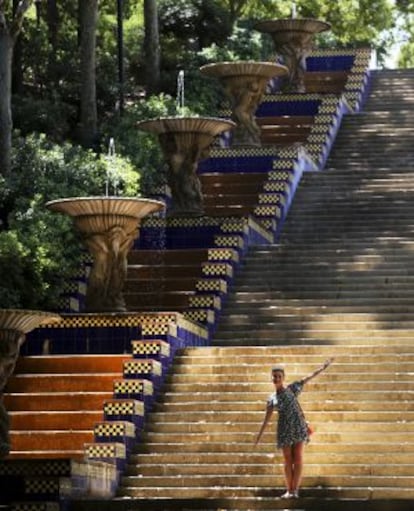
column 291, row 426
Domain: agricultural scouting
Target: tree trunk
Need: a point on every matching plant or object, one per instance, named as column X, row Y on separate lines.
column 6, row 58
column 152, row 47
column 52, row 16
column 88, row 19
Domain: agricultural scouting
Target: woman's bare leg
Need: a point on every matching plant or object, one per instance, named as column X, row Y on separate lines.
column 297, row 464
column 288, row 466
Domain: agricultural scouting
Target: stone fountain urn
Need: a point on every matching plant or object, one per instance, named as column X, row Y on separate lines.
column 14, row 325
column 184, row 142
column 108, row 227
column 293, row 40
column 244, row 83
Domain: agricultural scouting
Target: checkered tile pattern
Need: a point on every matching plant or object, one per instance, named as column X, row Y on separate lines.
column 283, row 164
column 36, row 506
column 201, row 315
column 236, row 225
column 288, row 152
column 269, row 224
column 229, row 241
column 205, row 300
column 276, row 186
column 156, row 347
column 320, row 128
column 291, row 97
column 158, row 329
column 218, row 285
column 317, row 139
column 144, row 366
column 33, row 486
column 246, row 152
column 124, row 407
column 43, row 467
column 116, row 428
column 105, row 450
column 271, row 198
column 267, row 211
column 217, row 269
column 328, row 108
column 132, row 386
column 222, row 254
column 323, row 119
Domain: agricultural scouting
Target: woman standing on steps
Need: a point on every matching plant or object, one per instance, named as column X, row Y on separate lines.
column 292, row 429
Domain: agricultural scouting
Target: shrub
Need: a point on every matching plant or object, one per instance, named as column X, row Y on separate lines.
column 40, row 250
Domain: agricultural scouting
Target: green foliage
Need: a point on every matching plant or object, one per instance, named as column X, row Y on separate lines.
column 406, row 57
column 40, row 250
column 142, row 148
column 49, row 115
column 352, row 23
column 14, row 261
column 198, row 22
column 186, row 28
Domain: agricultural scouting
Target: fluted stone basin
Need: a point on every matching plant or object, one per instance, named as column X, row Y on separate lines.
column 293, row 40
column 14, row 325
column 244, row 83
column 108, row 227
column 184, row 142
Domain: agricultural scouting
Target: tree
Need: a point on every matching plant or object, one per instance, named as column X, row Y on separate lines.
column 88, row 19
column 152, row 47
column 8, row 36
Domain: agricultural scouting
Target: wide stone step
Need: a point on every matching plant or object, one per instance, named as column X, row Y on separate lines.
column 157, row 460
column 71, row 364
column 380, row 209
column 157, row 270
column 234, row 437
column 342, row 364
column 267, row 448
column 327, row 340
column 320, row 419
column 298, row 353
column 334, row 287
column 53, row 420
column 341, row 251
column 50, row 440
column 247, row 378
column 303, row 311
column 50, row 454
column 269, row 301
column 361, row 350
column 160, row 284
column 381, row 320
column 257, row 386
column 63, row 401
column 274, row 335
column 245, row 497
column 391, row 272
column 62, row 382
column 385, row 361
column 405, row 429
column 308, row 396
column 176, row 256
column 339, row 294
column 263, row 481
column 227, row 469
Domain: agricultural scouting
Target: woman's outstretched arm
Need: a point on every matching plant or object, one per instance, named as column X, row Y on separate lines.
column 268, row 414
column 327, row 363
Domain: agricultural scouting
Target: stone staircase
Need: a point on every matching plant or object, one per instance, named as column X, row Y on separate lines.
column 343, row 269
column 199, row 443
column 339, row 283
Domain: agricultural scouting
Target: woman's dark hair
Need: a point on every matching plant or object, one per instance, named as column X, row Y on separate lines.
column 278, row 369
